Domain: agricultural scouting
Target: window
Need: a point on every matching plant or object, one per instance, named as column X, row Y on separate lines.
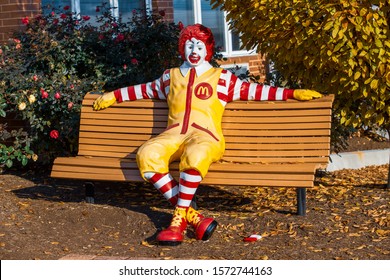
column 199, row 11
column 122, row 8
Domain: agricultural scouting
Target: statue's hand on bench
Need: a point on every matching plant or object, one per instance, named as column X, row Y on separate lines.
column 306, row 94
column 104, row 101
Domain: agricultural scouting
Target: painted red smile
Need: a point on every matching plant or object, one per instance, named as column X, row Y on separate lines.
column 194, row 58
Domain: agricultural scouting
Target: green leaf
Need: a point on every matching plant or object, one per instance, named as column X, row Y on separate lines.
column 8, row 163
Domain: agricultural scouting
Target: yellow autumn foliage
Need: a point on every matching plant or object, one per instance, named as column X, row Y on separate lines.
column 337, row 46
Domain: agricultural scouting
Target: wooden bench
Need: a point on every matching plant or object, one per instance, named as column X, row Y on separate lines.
column 268, row 144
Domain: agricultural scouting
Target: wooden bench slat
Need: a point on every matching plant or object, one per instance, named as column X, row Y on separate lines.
column 139, row 130
column 246, row 182
column 239, row 125
column 230, row 113
column 277, row 140
column 266, row 160
column 125, row 112
column 161, row 114
column 278, row 133
column 237, row 159
column 227, row 132
column 275, row 126
column 160, row 121
column 123, row 150
column 278, row 146
column 243, row 152
column 233, row 139
column 276, row 119
column 136, row 116
column 286, row 175
column 267, row 153
column 243, row 105
column 110, row 142
column 105, row 135
column 229, row 116
column 219, row 166
column 231, row 146
column 264, row 183
column 211, row 175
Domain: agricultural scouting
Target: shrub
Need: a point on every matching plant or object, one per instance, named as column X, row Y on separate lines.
column 46, row 70
column 339, row 46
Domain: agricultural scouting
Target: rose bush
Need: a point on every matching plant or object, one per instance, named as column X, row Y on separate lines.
column 46, row 69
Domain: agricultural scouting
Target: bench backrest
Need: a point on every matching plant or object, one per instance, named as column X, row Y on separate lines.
column 256, row 132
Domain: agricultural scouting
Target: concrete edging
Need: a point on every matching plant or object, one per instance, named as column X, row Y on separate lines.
column 359, row 159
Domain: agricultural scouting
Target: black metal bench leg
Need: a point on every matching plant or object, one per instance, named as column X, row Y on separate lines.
column 194, row 204
column 301, row 201
column 89, row 192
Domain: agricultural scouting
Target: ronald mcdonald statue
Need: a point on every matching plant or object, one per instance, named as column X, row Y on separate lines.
column 196, row 94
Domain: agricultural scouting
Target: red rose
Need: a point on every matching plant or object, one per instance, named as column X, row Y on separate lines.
column 57, row 95
column 44, row 94
column 63, row 16
column 54, row 134
column 86, row 18
column 120, row 38
column 25, row 21
column 66, row 8
column 134, row 61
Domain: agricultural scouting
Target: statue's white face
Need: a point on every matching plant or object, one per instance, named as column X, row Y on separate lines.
column 195, row 52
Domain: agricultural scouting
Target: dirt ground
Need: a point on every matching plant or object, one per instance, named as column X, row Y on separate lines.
column 348, row 217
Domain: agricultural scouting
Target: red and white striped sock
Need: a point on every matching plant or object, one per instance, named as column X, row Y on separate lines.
column 165, row 183
column 188, row 184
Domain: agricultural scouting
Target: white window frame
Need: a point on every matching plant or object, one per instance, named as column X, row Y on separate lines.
column 228, row 34
column 229, row 44
column 75, row 4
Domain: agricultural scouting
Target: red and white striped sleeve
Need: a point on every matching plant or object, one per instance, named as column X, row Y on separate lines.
column 231, row 88
column 158, row 89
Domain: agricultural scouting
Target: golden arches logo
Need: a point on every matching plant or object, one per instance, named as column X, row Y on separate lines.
column 203, row 91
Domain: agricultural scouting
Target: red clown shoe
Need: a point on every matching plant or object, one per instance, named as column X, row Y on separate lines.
column 204, row 227
column 174, row 234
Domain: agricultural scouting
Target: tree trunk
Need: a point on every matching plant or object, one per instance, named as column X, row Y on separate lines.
column 388, row 175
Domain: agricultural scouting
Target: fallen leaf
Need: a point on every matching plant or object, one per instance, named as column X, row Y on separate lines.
column 146, row 244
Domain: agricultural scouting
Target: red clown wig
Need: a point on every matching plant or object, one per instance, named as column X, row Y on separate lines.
column 198, row 32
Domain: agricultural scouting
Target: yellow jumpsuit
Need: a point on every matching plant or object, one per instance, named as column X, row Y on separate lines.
column 194, row 133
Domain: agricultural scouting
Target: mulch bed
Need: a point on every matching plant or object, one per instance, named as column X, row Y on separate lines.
column 347, row 218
